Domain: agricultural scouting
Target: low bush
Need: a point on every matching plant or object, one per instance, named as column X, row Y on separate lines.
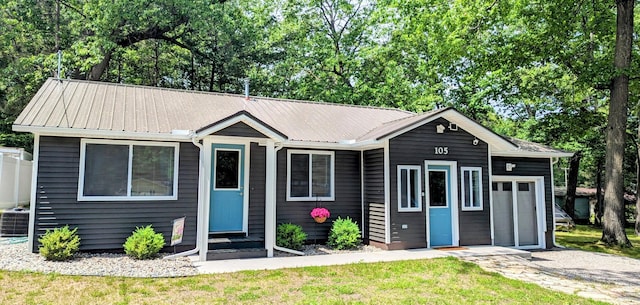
column 144, row 243
column 290, row 236
column 344, row 234
column 59, row 244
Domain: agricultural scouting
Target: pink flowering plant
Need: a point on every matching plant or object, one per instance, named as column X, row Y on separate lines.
column 320, row 212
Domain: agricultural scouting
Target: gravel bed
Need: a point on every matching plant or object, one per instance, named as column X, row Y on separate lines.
column 324, row 250
column 16, row 257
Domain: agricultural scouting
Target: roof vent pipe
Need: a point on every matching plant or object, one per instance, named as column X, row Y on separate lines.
column 246, row 88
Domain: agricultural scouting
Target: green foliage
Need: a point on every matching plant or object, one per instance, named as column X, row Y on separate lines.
column 344, row 234
column 144, row 243
column 290, row 236
column 59, row 244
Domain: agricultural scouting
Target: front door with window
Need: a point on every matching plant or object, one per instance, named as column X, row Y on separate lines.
column 441, row 203
column 226, row 213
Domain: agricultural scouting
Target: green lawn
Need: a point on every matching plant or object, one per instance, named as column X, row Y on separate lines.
column 436, row 281
column 587, row 238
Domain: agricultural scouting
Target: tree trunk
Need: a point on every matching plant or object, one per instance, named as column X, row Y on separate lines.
column 599, row 204
column 97, row 70
column 613, row 230
column 637, row 226
column 572, row 184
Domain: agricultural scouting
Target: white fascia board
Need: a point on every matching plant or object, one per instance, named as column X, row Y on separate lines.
column 93, row 133
column 530, row 154
column 331, row 145
column 244, row 119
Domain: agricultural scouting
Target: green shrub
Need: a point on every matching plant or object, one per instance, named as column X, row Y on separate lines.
column 144, row 243
column 59, row 244
column 344, row 234
column 290, row 236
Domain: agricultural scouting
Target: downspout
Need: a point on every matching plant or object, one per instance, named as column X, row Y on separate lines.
column 276, row 247
column 200, row 214
column 553, row 202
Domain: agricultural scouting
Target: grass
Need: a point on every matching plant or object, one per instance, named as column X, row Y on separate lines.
column 435, row 281
column 587, row 238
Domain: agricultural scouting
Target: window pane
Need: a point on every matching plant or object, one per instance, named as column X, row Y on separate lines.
column 106, row 170
column 523, row 187
column 152, row 171
column 413, row 185
column 299, row 175
column 403, row 189
column 437, row 189
column 465, row 189
column 321, row 171
column 475, row 188
column 506, row 186
column 227, row 169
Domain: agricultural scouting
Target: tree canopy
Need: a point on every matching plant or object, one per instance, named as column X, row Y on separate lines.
column 536, row 70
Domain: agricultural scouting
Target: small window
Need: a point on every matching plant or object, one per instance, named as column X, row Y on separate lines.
column 127, row 170
column 438, row 188
column 506, row 186
column 409, row 188
column 310, row 175
column 471, row 188
column 227, row 169
column 523, row 187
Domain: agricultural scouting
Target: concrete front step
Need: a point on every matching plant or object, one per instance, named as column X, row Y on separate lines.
column 220, row 243
column 221, row 254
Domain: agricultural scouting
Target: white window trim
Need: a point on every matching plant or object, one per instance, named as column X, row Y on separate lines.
column 215, row 157
column 465, row 184
column 310, row 153
column 128, row 197
column 419, row 183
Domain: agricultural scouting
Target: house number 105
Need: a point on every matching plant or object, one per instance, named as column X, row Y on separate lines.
column 441, row 150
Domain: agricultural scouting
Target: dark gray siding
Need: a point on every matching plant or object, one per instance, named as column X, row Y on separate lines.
column 530, row 167
column 374, row 195
column 416, row 146
column 106, row 225
column 347, row 196
column 257, row 183
column 240, row 130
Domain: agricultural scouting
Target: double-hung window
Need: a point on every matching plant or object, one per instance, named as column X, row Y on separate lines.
column 471, row 188
column 127, row 170
column 409, row 188
column 310, row 175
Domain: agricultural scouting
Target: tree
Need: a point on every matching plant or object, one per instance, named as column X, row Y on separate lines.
column 613, row 232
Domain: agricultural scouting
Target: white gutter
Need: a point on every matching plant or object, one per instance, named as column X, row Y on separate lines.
column 200, row 224
column 288, row 250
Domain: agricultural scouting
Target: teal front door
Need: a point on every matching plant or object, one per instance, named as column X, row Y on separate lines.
column 440, row 205
column 226, row 212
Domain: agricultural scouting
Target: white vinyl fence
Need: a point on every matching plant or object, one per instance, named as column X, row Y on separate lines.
column 15, row 179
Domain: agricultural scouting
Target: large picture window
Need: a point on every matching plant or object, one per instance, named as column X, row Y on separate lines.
column 471, row 188
column 409, row 188
column 310, row 175
column 127, row 170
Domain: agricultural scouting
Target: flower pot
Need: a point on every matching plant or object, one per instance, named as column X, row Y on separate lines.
column 320, row 219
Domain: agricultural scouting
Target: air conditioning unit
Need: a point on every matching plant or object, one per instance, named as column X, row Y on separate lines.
column 14, row 222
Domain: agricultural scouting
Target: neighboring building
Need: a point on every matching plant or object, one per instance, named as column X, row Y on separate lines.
column 584, row 205
column 111, row 157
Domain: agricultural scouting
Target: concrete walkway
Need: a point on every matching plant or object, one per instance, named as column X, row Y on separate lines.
column 224, row 266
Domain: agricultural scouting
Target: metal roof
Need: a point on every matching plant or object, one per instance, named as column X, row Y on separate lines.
column 87, row 105
column 89, row 108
